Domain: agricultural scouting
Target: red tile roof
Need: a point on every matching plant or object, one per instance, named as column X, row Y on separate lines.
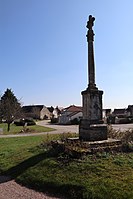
column 73, row 108
column 74, row 113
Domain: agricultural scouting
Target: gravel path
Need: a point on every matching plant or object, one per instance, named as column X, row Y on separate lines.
column 9, row 189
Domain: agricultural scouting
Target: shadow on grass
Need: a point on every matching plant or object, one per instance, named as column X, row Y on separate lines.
column 17, row 170
column 5, row 179
column 51, row 188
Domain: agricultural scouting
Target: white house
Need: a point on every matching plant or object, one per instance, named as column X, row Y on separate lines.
column 56, row 112
column 70, row 113
column 105, row 114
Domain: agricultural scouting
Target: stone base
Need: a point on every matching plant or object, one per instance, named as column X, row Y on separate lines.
column 92, row 132
column 90, row 147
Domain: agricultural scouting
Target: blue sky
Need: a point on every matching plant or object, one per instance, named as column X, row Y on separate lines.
column 43, row 50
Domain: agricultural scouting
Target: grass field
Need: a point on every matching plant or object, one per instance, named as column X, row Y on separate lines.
column 98, row 176
column 17, row 129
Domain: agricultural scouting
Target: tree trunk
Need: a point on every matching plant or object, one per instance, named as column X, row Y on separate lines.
column 8, row 128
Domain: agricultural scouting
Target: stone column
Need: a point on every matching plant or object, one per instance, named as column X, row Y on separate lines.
column 91, row 63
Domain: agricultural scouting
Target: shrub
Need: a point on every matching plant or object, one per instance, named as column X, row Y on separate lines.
column 23, row 122
column 75, row 121
column 111, row 119
column 29, row 122
column 124, row 121
column 54, row 120
column 126, row 137
column 19, row 122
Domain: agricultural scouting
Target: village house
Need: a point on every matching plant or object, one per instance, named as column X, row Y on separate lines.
column 120, row 113
column 130, row 110
column 36, row 112
column 70, row 114
column 55, row 115
column 106, row 113
column 56, row 112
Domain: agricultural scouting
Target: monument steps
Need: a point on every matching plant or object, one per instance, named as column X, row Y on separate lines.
column 108, row 145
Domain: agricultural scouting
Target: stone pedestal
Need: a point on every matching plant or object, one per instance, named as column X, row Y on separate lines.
column 91, row 127
column 94, row 132
column 92, row 104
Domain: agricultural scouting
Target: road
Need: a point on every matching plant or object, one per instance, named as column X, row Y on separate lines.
column 59, row 129
column 75, row 128
column 122, row 127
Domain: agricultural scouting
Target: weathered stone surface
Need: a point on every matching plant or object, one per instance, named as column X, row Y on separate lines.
column 92, row 104
column 91, row 63
column 91, row 98
column 93, row 132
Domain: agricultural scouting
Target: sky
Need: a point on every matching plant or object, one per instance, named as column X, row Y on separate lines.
column 43, row 50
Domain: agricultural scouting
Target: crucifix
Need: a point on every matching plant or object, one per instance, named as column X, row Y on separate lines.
column 91, row 64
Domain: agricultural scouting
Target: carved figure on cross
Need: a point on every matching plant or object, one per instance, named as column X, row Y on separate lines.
column 90, row 23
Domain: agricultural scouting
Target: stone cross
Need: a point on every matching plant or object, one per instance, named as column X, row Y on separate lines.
column 90, row 128
column 91, row 64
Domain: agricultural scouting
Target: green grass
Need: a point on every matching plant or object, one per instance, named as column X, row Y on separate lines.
column 98, row 176
column 15, row 150
column 17, row 129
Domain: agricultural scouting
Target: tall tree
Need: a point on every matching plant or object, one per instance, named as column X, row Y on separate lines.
column 10, row 107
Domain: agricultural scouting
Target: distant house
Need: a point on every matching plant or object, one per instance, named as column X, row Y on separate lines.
column 120, row 115
column 51, row 109
column 123, row 112
column 106, row 113
column 70, row 113
column 56, row 112
column 36, row 112
column 130, row 109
